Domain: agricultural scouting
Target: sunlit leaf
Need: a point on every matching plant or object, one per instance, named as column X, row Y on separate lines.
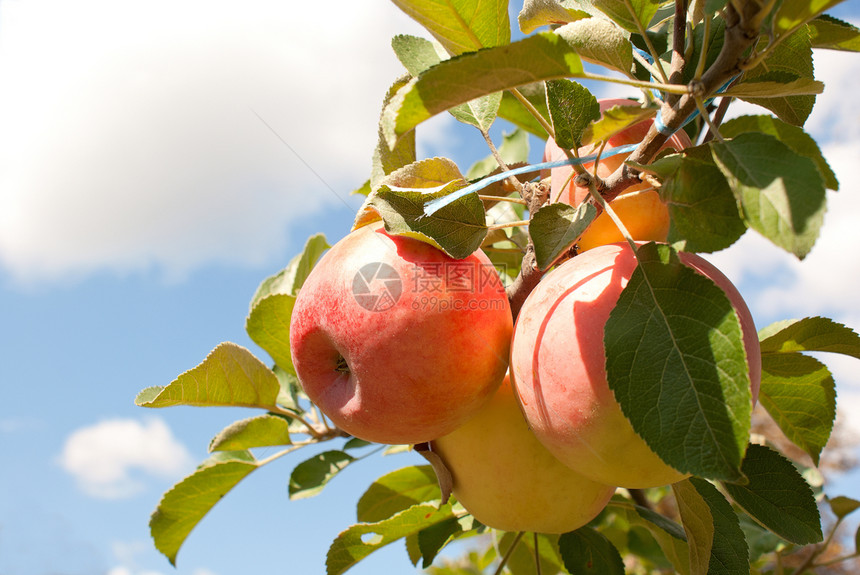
column 190, row 500
column 781, row 193
column 598, row 41
column 572, row 108
column 259, row 431
column 462, row 25
column 789, row 64
column 397, row 491
column 798, row 391
column 810, row 334
column 792, row 136
column 230, row 375
column 291, row 278
column 834, row 34
column 544, row 56
column 269, row 326
column 362, row 539
column 458, row 228
column 793, row 13
column 629, row 14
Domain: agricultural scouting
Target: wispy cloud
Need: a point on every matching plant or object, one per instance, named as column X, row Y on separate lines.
column 111, row 458
column 130, row 137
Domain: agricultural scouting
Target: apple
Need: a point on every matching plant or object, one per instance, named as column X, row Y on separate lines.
column 558, row 367
column 395, row 341
column 638, row 206
column 507, row 480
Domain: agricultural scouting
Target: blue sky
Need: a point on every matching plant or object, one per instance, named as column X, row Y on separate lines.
column 141, row 203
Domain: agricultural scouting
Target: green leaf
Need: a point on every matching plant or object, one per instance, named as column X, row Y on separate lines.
column 417, row 54
column 792, row 136
column 537, row 13
column 556, row 227
column 781, row 193
column 397, row 491
column 514, row 149
column 230, row 375
column 598, row 41
column 310, row 476
column 433, row 539
column 261, row 431
column 457, row 228
column 512, row 110
column 759, row 539
column 794, row 13
column 522, row 558
column 800, row 394
column 572, row 108
column 629, row 14
column 716, row 35
column 480, row 112
column 461, row 25
column 669, row 536
column 269, row 326
column 763, row 88
column 614, row 120
column 777, row 496
column 857, row 540
column 183, row 506
column 843, row 506
column 288, row 395
column 833, row 34
column 387, row 159
column 790, row 63
column 362, row 539
column 728, row 553
column 810, row 334
column 586, row 551
column 543, row 56
column 698, row 523
column 703, row 211
column 675, row 360
column 291, row 278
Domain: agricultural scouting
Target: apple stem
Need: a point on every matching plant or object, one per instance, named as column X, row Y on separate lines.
column 341, row 366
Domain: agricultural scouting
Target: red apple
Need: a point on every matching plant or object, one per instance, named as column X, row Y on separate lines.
column 558, row 367
column 507, row 480
column 640, row 208
column 395, row 341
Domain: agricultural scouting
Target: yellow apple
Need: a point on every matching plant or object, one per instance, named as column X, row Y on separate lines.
column 507, row 480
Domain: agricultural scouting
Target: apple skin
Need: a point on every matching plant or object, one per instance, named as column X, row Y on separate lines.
column 507, row 480
column 558, row 367
column 644, row 215
column 415, row 370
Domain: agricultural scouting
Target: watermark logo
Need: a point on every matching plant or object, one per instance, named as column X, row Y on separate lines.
column 377, row 287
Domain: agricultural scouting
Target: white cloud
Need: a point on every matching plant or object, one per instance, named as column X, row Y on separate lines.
column 130, row 139
column 107, row 458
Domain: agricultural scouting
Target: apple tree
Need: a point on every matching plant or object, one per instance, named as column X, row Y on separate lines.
column 579, row 379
